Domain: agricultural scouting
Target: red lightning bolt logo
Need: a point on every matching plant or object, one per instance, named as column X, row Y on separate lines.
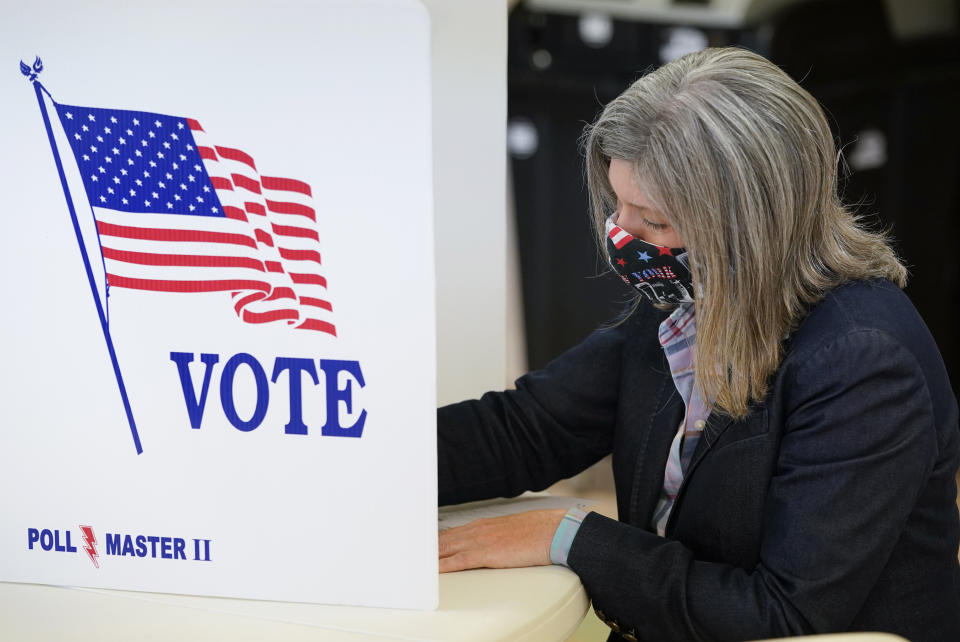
column 91, row 544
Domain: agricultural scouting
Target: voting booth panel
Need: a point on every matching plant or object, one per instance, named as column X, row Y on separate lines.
column 219, row 340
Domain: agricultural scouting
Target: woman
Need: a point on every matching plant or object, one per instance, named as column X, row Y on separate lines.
column 784, row 435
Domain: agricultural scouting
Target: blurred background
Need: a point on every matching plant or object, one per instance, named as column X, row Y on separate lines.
column 887, row 73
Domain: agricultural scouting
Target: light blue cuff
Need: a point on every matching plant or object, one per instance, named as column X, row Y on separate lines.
column 563, row 537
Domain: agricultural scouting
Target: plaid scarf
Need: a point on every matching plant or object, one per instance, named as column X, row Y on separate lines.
column 678, row 336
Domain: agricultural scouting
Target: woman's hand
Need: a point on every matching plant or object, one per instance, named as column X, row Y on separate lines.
column 516, row 540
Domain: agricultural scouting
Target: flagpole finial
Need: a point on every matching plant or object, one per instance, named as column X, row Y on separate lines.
column 31, row 72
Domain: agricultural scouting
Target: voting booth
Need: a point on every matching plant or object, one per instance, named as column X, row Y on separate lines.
column 219, row 373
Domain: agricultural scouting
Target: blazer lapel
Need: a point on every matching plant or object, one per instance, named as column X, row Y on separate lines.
column 653, row 451
column 717, row 424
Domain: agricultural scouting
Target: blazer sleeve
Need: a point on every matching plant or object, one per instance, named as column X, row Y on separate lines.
column 858, row 445
column 557, row 422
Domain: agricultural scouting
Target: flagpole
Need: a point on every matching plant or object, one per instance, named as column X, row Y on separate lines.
column 38, row 88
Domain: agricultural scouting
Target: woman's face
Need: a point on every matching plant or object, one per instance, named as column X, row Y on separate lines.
column 636, row 214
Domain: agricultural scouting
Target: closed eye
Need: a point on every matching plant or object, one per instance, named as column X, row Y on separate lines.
column 659, row 227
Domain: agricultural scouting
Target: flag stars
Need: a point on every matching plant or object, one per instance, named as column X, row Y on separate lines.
column 159, row 154
column 162, row 184
column 175, row 165
column 133, row 192
column 93, row 148
column 106, row 130
column 176, row 197
column 189, row 177
column 115, row 151
column 138, row 182
column 103, row 199
column 69, row 116
column 155, row 195
column 77, row 136
column 153, row 163
column 196, row 167
column 107, row 159
column 129, row 132
column 116, row 179
column 113, row 119
column 166, row 145
column 129, row 161
column 124, row 201
column 143, row 142
column 192, row 208
column 110, row 190
column 169, row 176
column 138, row 153
column 213, row 209
column 91, row 117
column 157, row 123
column 182, row 157
column 136, row 122
column 99, row 139
column 124, row 172
column 146, row 203
column 189, row 147
column 169, row 205
column 93, row 177
column 151, row 134
column 174, row 136
column 146, row 174
column 85, row 128
column 199, row 199
column 85, row 157
column 122, row 140
column 180, row 125
column 206, row 188
column 183, row 186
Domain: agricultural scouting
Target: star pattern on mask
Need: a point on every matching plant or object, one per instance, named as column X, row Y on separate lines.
column 665, row 251
column 621, row 263
column 643, row 256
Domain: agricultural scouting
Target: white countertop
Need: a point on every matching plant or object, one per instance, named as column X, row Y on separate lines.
column 533, row 604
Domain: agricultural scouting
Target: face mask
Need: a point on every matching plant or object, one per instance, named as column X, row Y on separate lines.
column 662, row 274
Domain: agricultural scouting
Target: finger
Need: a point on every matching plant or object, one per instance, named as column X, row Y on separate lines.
column 460, row 562
column 443, row 544
column 462, row 537
column 450, row 564
column 447, row 547
column 453, row 541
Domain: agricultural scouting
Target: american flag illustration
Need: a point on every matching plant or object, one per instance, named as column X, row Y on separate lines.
column 617, row 235
column 177, row 213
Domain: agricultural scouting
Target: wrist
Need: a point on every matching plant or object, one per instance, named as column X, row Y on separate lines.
column 564, row 535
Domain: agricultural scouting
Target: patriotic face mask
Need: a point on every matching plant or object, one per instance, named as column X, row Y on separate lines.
column 662, row 274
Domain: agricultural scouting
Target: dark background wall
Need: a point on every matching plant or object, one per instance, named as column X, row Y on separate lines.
column 894, row 106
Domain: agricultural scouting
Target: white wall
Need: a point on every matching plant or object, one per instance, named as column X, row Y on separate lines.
column 469, row 65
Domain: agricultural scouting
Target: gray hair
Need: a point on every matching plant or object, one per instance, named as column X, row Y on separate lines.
column 741, row 161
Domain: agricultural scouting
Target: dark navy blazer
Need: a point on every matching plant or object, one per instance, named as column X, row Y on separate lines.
column 830, row 507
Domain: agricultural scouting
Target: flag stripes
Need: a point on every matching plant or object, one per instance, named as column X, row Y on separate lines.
column 618, row 236
column 177, row 213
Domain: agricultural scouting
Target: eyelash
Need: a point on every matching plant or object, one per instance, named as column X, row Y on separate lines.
column 656, row 227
